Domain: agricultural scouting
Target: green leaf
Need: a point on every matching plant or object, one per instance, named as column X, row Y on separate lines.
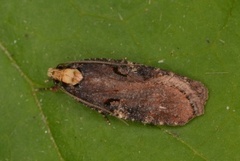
column 198, row 39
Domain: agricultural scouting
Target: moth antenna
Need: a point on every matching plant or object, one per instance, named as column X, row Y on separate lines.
column 95, row 106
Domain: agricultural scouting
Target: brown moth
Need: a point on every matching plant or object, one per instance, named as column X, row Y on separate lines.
column 132, row 91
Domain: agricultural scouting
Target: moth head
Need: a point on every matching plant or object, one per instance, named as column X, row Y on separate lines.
column 68, row 75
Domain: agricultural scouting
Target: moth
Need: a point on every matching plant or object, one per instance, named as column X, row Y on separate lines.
column 132, row 91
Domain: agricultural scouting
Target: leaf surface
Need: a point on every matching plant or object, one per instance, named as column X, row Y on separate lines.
column 199, row 40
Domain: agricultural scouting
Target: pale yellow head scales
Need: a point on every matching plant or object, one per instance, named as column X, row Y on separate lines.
column 68, row 76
